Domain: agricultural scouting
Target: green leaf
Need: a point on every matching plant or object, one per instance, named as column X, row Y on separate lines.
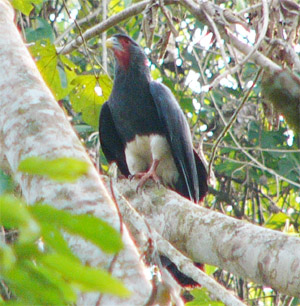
column 54, row 240
column 202, row 298
column 64, row 169
column 228, row 167
column 27, row 250
column 87, row 226
column 86, row 278
column 187, row 104
column 89, row 94
column 296, row 302
column 91, row 114
column 210, row 269
column 57, row 78
column 25, row 6
column 277, row 221
column 34, row 286
column 43, row 30
column 6, row 183
column 14, row 214
column 7, row 257
column 56, row 280
column 116, row 6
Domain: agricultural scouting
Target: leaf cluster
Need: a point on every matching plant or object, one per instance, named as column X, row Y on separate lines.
column 37, row 265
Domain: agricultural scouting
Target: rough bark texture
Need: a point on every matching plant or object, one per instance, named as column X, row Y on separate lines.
column 33, row 124
column 264, row 256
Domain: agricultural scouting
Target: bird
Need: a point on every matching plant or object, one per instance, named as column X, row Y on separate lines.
column 143, row 129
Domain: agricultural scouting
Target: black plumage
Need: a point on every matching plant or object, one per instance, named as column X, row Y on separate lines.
column 143, row 129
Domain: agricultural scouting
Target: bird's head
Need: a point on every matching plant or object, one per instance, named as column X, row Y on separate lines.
column 127, row 52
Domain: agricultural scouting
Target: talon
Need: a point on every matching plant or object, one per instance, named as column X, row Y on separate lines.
column 145, row 176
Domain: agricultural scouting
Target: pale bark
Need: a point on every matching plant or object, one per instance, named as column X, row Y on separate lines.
column 143, row 231
column 33, row 124
column 255, row 253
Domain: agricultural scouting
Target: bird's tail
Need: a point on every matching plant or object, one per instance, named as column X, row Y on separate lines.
column 187, row 191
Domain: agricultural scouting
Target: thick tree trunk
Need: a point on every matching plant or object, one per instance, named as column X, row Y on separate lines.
column 264, row 256
column 33, row 124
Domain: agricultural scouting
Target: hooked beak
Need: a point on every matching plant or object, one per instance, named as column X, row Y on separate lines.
column 113, row 43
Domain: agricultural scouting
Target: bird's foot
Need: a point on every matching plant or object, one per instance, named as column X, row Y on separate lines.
column 145, row 176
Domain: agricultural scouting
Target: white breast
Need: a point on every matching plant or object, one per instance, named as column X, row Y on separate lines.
column 141, row 151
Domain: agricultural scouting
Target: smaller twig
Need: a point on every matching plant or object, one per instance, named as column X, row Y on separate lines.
column 22, row 24
column 85, row 45
column 230, row 123
column 293, row 56
column 104, row 49
column 263, row 167
column 79, row 22
column 249, row 9
column 256, row 149
column 169, row 21
column 253, row 50
column 218, row 37
column 104, row 25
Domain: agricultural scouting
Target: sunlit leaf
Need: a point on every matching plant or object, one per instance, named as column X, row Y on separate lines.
column 63, row 169
column 89, row 94
column 277, row 221
column 87, row 226
column 86, row 278
column 26, row 277
column 228, row 167
column 7, row 257
column 14, row 214
column 202, row 298
column 52, row 237
column 210, row 269
column 57, row 78
column 25, row 6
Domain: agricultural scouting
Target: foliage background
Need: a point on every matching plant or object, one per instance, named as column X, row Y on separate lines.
column 256, row 163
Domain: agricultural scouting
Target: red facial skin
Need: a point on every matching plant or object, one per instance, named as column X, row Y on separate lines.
column 123, row 55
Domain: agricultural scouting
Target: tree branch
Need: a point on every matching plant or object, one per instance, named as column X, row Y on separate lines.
column 137, row 223
column 197, row 11
column 88, row 18
column 261, row 255
column 108, row 23
column 33, row 124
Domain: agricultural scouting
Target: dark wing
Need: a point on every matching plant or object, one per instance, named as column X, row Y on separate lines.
column 110, row 140
column 191, row 183
column 202, row 176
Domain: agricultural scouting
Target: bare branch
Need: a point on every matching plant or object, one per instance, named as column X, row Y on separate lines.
column 91, row 16
column 104, row 49
column 258, row 57
column 253, row 50
column 218, row 37
column 261, row 255
column 108, row 23
column 256, row 163
column 186, row 265
column 230, row 123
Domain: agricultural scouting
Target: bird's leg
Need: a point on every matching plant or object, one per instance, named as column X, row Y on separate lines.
column 151, row 173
